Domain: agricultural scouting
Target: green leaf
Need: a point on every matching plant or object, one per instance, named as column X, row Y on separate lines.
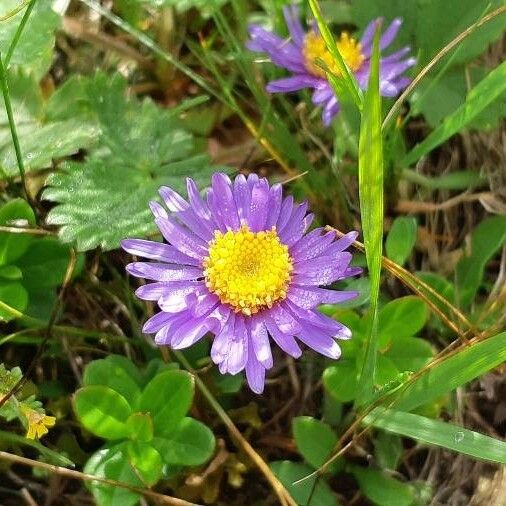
column 435, row 30
column 402, row 317
column 483, row 94
column 144, row 147
column 49, row 456
column 14, row 295
column 370, row 181
column 146, row 460
column 117, row 373
column 34, row 50
column 409, row 353
column 401, row 239
column 388, row 450
column 303, row 493
column 18, row 213
column 347, row 80
column 486, row 240
column 439, row 433
column 10, row 272
column 191, row 444
column 341, row 380
column 458, row 180
column 315, row 439
column 383, row 490
column 113, row 463
column 454, row 371
column 42, row 140
column 140, row 427
column 102, row 411
column 167, row 397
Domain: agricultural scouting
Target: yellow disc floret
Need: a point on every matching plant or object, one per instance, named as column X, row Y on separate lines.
column 315, row 49
column 248, row 270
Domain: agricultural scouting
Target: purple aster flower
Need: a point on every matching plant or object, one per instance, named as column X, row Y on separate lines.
column 300, row 52
column 239, row 265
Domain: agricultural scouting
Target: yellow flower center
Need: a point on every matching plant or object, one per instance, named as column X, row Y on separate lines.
column 248, row 270
column 315, row 49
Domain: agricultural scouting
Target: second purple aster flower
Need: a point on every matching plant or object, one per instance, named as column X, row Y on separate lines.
column 240, row 265
column 299, row 55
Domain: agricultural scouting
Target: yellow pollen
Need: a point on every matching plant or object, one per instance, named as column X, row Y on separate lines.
column 248, row 270
column 315, row 49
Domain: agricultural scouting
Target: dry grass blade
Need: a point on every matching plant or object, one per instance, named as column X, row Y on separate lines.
column 284, row 497
column 77, row 475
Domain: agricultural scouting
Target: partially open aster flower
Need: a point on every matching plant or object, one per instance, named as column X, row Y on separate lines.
column 299, row 55
column 240, row 265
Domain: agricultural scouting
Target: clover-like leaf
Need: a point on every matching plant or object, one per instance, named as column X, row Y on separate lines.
column 167, row 398
column 113, row 463
column 315, row 439
column 117, row 373
column 102, row 411
column 191, row 445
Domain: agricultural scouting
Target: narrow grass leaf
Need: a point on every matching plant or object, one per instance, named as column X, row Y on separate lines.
column 452, row 372
column 435, row 432
column 483, row 94
column 348, row 79
column 370, row 178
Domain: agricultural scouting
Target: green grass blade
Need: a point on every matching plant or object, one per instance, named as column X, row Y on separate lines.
column 370, row 179
column 435, row 432
column 348, row 79
column 452, row 372
column 483, row 94
column 18, row 33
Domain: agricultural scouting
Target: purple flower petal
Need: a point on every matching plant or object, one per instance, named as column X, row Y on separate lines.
column 260, row 342
column 172, row 199
column 182, row 239
column 291, row 14
column 259, row 206
column 157, row 251
column 319, row 341
column 158, row 210
column 285, row 341
column 309, row 297
column 222, row 203
column 242, row 197
column 275, row 199
column 163, row 272
column 156, row 291
column 321, row 270
column 255, row 374
column 294, row 83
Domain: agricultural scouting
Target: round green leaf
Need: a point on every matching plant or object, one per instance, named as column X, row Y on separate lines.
column 191, row 445
column 401, row 239
column 167, row 397
column 315, row 439
column 140, row 427
column 102, row 411
column 409, row 353
column 146, row 460
column 14, row 295
column 341, row 380
column 117, row 373
column 305, row 492
column 383, row 490
column 16, row 212
column 113, row 463
column 402, row 317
